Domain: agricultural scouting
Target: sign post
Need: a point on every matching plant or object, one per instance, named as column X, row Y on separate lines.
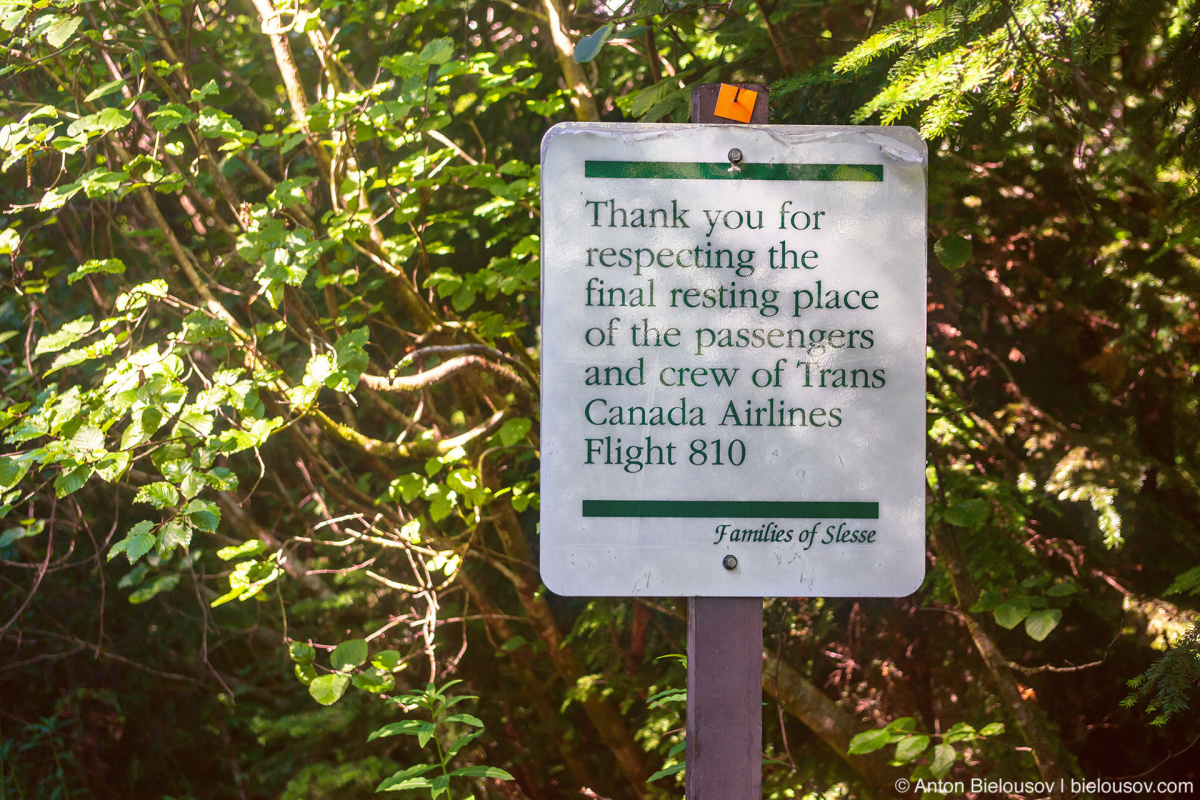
column 733, row 372
column 725, row 634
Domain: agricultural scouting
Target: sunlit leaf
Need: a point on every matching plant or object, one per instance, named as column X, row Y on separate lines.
column 328, row 689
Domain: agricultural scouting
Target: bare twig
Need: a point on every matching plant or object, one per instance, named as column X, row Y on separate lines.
column 37, row 581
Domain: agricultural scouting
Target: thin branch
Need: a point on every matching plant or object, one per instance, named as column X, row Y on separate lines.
column 412, row 383
column 37, row 581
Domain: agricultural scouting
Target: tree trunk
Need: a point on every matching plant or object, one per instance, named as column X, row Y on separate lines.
column 577, row 83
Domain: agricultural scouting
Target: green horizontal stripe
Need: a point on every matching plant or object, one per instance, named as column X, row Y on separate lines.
column 756, row 509
column 693, row 170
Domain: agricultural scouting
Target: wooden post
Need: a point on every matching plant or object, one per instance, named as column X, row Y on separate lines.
column 724, row 700
column 725, row 641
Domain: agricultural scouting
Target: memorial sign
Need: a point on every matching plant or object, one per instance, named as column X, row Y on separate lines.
column 733, row 360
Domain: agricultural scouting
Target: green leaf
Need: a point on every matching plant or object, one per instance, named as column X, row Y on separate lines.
column 373, row 680
column 248, row 579
column 175, row 533
column 988, row 600
column 191, row 484
column 386, row 659
column 953, row 251
column 405, row 774
column 302, row 652
column 351, row 360
column 442, row 506
column 72, row 480
column 665, row 771
column 100, row 182
column 483, row 772
column 10, row 239
column 222, row 479
column 171, row 116
column 328, row 689
column 133, row 577
column 405, row 727
column 589, row 46
column 12, row 469
column 104, row 89
column 213, row 123
column 348, row 654
column 1009, row 615
column 943, row 759
column 163, row 583
column 461, row 742
column 32, row 528
column 1067, row 587
column 208, row 89
column 960, row 732
column 88, row 439
column 992, row 729
column 112, row 465
column 626, row 34
column 290, row 192
column 61, row 30
column 515, row 642
column 203, row 514
column 65, row 336
column 869, row 741
column 82, row 354
column 394, row 784
column 105, row 266
column 425, row 732
column 1039, row 624
column 967, row 513
column 244, row 550
column 513, row 431
column 673, row 695
column 466, row 719
column 106, row 120
column 159, row 494
column 305, row 672
column 438, row 51
column 910, row 748
column 136, row 543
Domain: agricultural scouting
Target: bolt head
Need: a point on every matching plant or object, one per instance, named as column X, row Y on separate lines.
column 735, row 157
column 729, row 562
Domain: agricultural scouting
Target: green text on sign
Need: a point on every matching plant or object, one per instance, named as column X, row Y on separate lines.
column 694, row 170
column 753, row 509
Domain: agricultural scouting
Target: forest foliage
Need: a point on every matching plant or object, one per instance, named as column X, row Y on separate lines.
column 269, row 418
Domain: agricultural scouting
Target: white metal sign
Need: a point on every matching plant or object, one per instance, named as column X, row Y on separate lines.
column 733, row 360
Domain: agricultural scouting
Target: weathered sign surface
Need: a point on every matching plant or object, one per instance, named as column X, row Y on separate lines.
column 733, row 360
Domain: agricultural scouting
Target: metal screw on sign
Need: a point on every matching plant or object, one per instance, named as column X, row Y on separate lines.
column 729, row 562
column 735, row 160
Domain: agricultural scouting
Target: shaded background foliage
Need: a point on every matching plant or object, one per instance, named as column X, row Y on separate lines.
column 269, row 358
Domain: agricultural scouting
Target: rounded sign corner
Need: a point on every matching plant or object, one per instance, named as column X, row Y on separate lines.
column 908, row 136
column 908, row 588
column 553, row 132
column 553, row 581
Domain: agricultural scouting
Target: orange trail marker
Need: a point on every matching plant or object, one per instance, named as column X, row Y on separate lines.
column 735, row 103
